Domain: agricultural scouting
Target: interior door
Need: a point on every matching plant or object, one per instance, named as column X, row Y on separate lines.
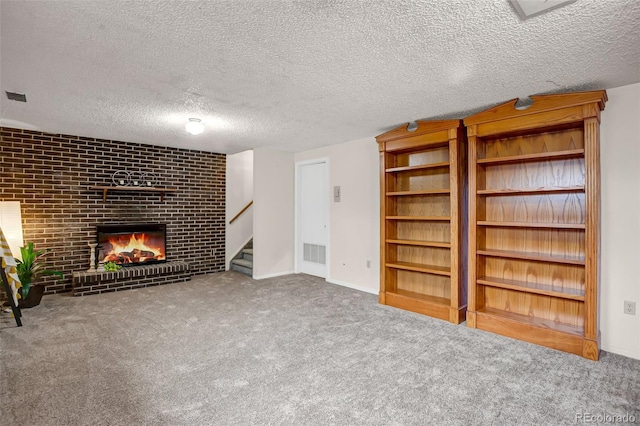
column 313, row 216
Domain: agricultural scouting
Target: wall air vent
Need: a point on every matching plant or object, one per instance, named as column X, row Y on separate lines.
column 530, row 8
column 16, row 96
column 315, row 253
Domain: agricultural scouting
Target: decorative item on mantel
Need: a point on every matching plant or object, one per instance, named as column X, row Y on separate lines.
column 136, row 178
column 101, row 261
column 149, row 179
column 125, row 181
column 125, row 178
column 121, row 178
column 92, row 257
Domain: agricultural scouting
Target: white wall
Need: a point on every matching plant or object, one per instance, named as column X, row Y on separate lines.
column 354, row 223
column 354, row 230
column 620, row 255
column 273, row 211
column 239, row 192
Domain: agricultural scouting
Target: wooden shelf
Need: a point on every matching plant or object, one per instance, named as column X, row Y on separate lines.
column 423, row 297
column 420, row 243
column 527, row 287
column 534, row 321
column 554, row 155
column 427, row 192
column 436, row 307
column 417, row 267
column 438, row 165
column 421, row 218
column 106, row 189
column 536, row 257
column 532, row 225
column 525, row 191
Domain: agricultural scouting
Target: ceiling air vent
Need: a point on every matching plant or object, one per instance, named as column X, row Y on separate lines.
column 530, row 8
column 16, row 96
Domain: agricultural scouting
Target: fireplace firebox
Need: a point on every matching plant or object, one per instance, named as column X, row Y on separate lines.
column 133, row 244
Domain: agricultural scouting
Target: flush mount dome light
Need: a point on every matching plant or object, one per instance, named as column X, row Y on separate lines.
column 194, row 126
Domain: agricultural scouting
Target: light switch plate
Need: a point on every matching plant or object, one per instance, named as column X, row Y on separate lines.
column 336, row 194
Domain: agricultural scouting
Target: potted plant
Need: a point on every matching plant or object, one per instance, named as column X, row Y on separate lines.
column 29, row 269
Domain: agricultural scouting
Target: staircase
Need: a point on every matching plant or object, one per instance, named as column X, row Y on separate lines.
column 243, row 261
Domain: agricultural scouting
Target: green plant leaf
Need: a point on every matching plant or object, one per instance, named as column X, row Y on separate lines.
column 32, row 266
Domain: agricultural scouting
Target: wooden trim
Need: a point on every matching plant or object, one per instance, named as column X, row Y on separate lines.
column 454, row 229
column 105, row 190
column 427, row 305
column 592, row 233
column 383, row 223
column 472, row 245
column 425, row 127
column 541, row 103
column 544, row 333
column 244, row 209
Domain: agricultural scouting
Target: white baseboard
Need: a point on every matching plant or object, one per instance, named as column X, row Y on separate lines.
column 277, row 274
column 353, row 286
column 619, row 351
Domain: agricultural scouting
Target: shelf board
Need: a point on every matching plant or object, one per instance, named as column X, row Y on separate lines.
column 532, row 225
column 419, row 243
column 527, row 287
column 105, row 190
column 425, row 192
column 537, row 322
column 418, row 267
column 419, row 167
column 554, row 155
column 525, row 191
column 424, row 297
column 421, row 218
column 537, row 257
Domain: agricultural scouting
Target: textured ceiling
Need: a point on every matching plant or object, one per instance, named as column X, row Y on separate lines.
column 294, row 75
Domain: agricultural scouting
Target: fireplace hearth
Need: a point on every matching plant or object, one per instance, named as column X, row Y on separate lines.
column 132, row 244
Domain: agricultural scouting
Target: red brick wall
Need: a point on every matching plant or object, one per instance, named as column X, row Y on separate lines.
column 51, row 176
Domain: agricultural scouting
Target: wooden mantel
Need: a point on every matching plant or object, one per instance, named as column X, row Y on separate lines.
column 105, row 190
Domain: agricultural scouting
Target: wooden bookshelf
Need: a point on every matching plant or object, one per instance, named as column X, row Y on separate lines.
column 423, row 199
column 534, row 180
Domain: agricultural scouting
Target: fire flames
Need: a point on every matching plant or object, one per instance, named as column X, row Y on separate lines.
column 134, row 248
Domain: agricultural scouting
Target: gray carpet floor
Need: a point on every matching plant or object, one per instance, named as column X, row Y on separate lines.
column 224, row 349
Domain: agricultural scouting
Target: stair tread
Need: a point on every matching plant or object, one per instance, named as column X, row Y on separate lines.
column 243, row 262
column 248, row 250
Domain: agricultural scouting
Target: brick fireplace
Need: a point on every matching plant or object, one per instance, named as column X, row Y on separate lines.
column 52, row 176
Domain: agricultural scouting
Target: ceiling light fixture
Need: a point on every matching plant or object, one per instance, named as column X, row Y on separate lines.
column 529, row 8
column 194, row 126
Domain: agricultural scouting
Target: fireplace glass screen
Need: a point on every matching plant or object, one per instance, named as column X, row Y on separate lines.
column 132, row 244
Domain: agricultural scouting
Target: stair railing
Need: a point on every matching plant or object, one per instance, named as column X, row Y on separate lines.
column 244, row 209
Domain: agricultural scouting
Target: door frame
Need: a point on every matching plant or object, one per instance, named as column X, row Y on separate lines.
column 297, row 258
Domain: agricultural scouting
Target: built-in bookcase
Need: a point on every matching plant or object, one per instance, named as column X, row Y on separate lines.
column 423, row 199
column 534, row 180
